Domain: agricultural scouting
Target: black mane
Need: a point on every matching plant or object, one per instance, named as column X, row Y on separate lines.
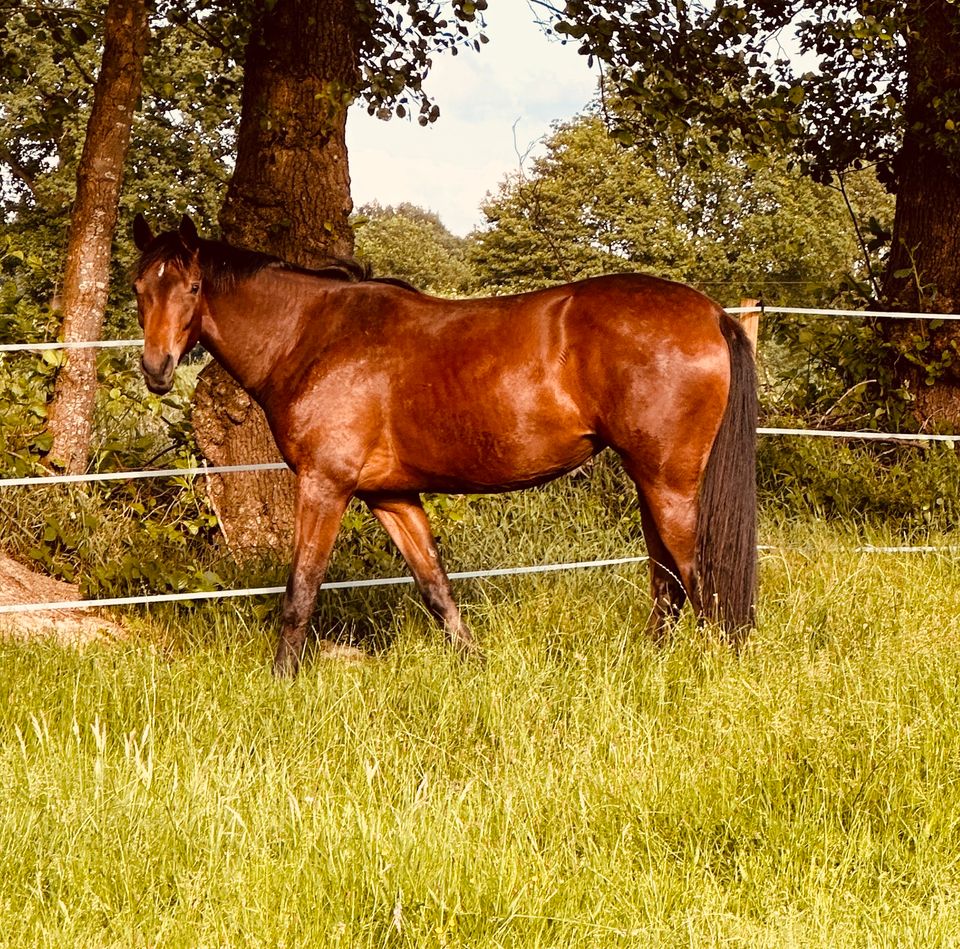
column 224, row 265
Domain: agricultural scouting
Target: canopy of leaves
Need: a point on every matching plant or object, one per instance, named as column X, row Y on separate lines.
column 397, row 42
column 736, row 69
column 397, row 52
column 738, row 225
column 411, row 243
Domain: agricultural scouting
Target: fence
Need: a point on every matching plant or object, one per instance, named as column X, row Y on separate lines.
column 749, row 311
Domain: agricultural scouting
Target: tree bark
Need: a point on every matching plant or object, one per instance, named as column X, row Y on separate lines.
column 923, row 272
column 290, row 196
column 87, row 274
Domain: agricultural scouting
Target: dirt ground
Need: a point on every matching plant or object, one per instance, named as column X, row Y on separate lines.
column 74, row 627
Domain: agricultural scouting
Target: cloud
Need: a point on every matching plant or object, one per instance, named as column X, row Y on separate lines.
column 492, row 104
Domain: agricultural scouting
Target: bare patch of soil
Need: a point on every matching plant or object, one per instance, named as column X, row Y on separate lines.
column 69, row 627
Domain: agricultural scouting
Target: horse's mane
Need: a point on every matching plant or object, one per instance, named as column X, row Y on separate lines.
column 224, row 265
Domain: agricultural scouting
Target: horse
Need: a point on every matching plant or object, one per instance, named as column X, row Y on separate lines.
column 375, row 390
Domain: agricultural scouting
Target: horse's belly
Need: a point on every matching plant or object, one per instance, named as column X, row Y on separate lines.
column 476, row 461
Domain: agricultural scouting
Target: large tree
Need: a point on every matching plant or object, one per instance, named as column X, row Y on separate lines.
column 881, row 86
column 306, row 61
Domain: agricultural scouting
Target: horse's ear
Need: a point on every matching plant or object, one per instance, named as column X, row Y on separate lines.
column 142, row 235
column 188, row 232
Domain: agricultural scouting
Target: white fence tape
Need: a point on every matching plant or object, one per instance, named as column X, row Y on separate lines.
column 338, row 585
column 867, row 436
column 808, row 311
column 132, row 475
column 862, row 314
column 80, row 344
column 147, row 600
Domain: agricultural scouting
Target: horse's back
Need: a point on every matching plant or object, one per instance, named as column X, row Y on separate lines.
column 503, row 392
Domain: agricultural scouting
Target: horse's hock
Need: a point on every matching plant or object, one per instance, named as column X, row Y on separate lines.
column 255, row 508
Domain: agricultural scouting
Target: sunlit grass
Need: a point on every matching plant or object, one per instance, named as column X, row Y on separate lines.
column 577, row 788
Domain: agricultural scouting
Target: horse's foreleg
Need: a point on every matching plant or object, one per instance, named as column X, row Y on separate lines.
column 319, row 510
column 406, row 522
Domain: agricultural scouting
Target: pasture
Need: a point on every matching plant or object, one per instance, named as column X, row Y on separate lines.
column 579, row 787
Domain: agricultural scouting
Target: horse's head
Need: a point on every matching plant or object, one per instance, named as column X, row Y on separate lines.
column 169, row 288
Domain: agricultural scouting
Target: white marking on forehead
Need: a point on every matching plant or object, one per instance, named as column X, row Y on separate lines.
column 161, row 268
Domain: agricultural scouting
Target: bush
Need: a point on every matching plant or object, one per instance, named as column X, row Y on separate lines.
column 907, row 487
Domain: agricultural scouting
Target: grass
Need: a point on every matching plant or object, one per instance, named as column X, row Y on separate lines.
column 578, row 788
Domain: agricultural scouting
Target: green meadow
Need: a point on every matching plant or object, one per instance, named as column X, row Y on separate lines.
column 578, row 787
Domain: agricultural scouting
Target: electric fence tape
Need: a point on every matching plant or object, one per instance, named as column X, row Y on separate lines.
column 801, row 310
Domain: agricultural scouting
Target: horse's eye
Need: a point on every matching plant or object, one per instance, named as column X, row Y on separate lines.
column 195, row 288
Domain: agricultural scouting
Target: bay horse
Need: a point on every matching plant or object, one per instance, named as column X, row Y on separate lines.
column 375, row 390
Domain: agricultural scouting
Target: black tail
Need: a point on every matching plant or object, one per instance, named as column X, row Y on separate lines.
column 727, row 522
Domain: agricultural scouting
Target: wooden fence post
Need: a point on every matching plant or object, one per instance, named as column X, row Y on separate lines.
column 751, row 321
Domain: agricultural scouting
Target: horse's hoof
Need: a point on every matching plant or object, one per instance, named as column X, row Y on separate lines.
column 286, row 663
column 468, row 649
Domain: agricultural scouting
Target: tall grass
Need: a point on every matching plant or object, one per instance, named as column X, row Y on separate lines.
column 577, row 788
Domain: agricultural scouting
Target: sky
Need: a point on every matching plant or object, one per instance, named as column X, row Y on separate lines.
column 493, row 104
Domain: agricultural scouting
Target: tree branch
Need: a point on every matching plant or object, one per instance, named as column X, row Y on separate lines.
column 18, row 171
column 841, row 187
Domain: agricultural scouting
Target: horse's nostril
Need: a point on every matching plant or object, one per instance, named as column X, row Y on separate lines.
column 158, row 380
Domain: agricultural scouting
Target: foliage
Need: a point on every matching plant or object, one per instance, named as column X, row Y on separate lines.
column 115, row 538
column 907, row 490
column 400, row 40
column 412, row 243
column 733, row 68
column 739, row 225
column 183, row 135
column 179, row 157
column 24, row 379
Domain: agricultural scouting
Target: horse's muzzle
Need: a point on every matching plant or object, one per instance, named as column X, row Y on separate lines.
column 158, row 380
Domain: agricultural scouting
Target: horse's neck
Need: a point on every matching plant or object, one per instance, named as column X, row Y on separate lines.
column 249, row 330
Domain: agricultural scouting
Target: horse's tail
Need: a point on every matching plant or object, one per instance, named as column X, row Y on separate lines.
column 727, row 521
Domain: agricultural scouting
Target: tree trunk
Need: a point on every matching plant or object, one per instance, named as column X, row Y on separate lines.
column 87, row 275
column 923, row 273
column 290, row 196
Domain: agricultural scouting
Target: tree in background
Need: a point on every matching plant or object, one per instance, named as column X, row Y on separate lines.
column 736, row 224
column 50, row 55
column 885, row 91
column 412, row 243
column 306, row 61
column 86, row 279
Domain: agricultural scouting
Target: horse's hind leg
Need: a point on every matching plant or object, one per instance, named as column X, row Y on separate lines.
column 668, row 506
column 404, row 519
column 666, row 590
